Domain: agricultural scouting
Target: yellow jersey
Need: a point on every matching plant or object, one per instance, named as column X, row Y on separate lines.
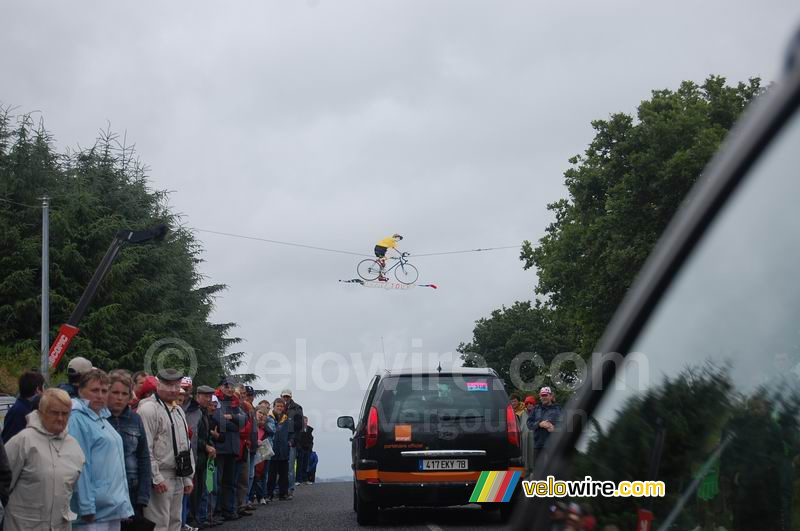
column 388, row 242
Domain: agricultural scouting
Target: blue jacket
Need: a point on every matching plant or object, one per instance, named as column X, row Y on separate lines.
column 137, row 456
column 15, row 418
column 70, row 389
column 540, row 413
column 280, row 441
column 228, row 429
column 102, row 488
column 312, row 461
column 269, row 429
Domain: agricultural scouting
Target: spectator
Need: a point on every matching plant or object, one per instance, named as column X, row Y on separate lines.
column 134, row 441
column 544, row 420
column 31, row 385
column 202, row 446
column 294, row 412
column 227, row 421
column 266, row 431
column 241, row 476
column 168, row 441
column 279, row 464
column 312, row 467
column 530, row 403
column 304, row 447
column 45, row 463
column 184, row 401
column 149, row 387
column 516, row 405
column 180, row 399
column 101, row 495
column 77, row 367
column 214, row 437
column 250, row 395
column 138, row 379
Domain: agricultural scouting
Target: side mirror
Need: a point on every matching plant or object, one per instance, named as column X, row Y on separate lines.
column 347, row 423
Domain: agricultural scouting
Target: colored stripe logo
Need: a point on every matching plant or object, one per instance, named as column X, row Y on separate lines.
column 495, row 486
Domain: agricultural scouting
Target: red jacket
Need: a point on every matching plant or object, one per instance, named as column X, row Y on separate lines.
column 244, row 433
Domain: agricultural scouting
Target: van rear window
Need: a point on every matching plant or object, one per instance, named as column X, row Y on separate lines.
column 416, row 398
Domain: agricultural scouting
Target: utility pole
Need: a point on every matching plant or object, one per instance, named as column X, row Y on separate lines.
column 45, row 286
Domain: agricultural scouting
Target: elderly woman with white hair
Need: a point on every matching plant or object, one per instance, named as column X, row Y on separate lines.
column 45, row 465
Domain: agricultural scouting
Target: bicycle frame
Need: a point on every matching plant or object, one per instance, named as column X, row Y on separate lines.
column 401, row 260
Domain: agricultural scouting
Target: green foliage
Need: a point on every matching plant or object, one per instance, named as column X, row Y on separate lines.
column 698, row 401
column 622, row 193
column 521, row 328
column 153, row 290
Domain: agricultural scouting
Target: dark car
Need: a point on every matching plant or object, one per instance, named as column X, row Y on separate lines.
column 707, row 396
column 422, row 438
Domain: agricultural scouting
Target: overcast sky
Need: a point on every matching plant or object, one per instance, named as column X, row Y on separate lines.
column 335, row 123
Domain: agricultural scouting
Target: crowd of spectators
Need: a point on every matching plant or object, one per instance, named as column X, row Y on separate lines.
column 110, row 451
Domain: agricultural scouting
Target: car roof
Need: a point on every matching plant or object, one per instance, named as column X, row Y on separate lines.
column 477, row 371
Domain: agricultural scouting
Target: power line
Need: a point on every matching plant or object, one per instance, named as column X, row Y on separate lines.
column 290, row 244
column 479, row 250
column 19, row 204
column 353, row 253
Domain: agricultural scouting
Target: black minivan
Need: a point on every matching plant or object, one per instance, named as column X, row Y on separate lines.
column 422, row 438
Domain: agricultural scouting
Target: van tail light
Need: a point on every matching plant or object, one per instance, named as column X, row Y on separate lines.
column 511, row 423
column 372, row 427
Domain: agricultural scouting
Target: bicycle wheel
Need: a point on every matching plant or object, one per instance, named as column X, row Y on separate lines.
column 369, row 269
column 406, row 273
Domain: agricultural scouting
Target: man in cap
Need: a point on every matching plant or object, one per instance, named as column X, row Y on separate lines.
column 226, row 421
column 294, row 412
column 77, row 367
column 203, row 448
column 544, row 420
column 168, row 441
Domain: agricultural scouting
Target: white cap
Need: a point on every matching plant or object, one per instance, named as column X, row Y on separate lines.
column 214, row 399
column 79, row 365
column 286, row 392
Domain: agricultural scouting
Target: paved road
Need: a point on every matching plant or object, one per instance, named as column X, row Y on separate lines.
column 330, row 506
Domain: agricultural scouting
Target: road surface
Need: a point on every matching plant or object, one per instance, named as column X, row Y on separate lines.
column 330, row 506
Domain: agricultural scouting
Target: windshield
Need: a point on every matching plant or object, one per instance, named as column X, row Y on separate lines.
column 419, row 398
column 709, row 401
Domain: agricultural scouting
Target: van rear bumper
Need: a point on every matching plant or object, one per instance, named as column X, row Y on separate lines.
column 427, row 494
column 391, row 489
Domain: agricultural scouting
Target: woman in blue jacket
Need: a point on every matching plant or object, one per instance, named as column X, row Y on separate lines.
column 101, row 498
column 279, row 463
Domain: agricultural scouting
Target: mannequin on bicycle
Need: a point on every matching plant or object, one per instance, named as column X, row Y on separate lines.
column 390, row 242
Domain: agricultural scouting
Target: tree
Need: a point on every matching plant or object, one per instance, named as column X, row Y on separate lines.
column 622, row 193
column 508, row 332
column 153, row 292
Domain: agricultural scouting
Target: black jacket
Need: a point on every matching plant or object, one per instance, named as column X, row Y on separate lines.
column 306, row 439
column 228, row 428
column 541, row 412
column 295, row 413
column 15, row 420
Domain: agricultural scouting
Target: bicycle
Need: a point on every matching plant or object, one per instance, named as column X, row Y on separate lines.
column 405, row 273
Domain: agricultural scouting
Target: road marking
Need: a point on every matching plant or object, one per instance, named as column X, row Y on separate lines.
column 433, row 527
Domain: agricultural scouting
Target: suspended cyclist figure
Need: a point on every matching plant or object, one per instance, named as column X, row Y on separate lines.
column 389, row 242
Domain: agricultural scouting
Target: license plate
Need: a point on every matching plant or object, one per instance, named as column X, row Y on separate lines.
column 426, row 465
